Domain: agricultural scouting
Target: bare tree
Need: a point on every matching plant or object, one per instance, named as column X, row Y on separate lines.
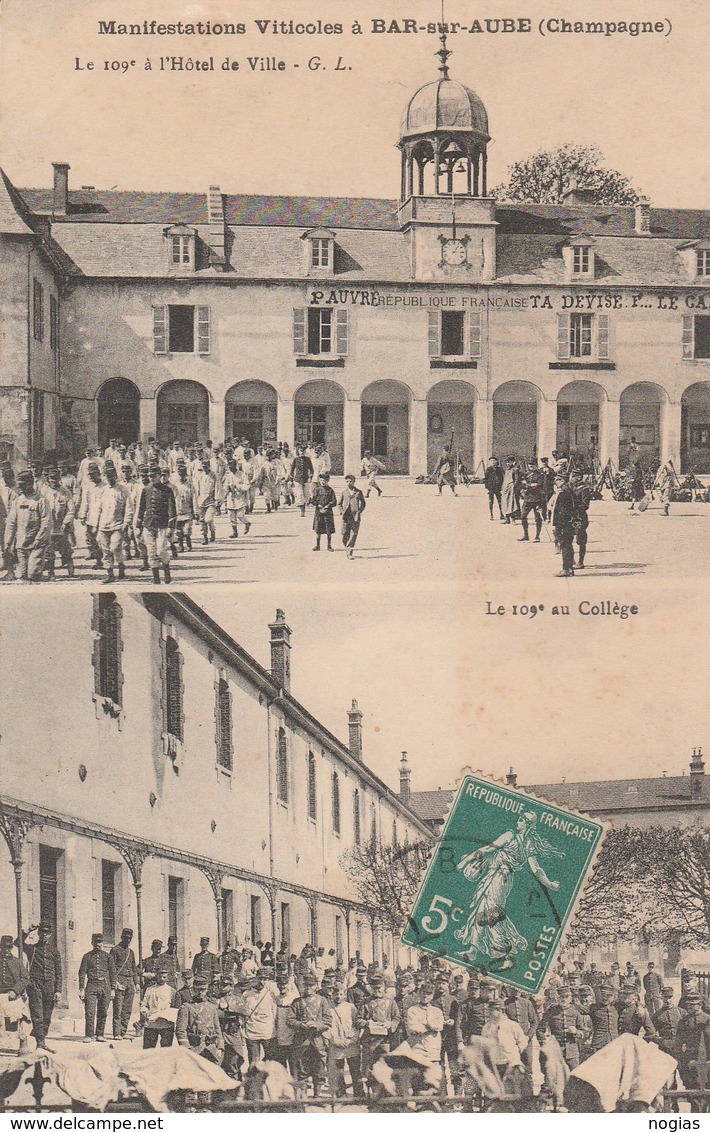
column 387, row 879
column 543, row 177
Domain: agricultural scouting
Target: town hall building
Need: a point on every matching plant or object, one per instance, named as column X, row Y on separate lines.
column 387, row 325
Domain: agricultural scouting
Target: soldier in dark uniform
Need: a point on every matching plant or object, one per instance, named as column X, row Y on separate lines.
column 197, row 1027
column 379, row 1020
column 449, row 1007
column 13, row 980
column 532, row 494
column 522, row 1009
column 205, row 963
column 585, row 1003
column 126, row 983
column 548, row 480
column 151, row 961
column 692, row 1038
column 493, row 483
column 44, row 982
column 97, row 972
column 475, row 1011
column 583, row 497
column 653, row 989
column 605, row 1018
column 563, row 514
column 666, row 1021
column 309, row 1018
column 633, row 1018
column 568, row 1025
column 171, row 962
column 359, row 991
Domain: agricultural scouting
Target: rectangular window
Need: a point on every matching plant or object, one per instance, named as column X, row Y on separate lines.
column 49, row 859
column 452, row 333
column 700, row 436
column 320, row 330
column 176, row 896
column 581, row 261
column 181, row 249
column 255, row 918
column 581, row 335
column 181, row 329
column 320, row 253
column 109, row 879
column 282, row 767
column 703, row 263
column 312, row 787
column 53, row 323
column 311, row 424
column 108, row 680
column 375, row 430
column 227, row 914
column 286, row 924
column 339, row 939
column 223, row 714
column 37, row 310
column 702, row 336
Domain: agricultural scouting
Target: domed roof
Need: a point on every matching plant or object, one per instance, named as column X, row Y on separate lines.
column 445, row 105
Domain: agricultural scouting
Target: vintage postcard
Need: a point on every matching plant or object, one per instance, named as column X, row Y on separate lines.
column 354, row 431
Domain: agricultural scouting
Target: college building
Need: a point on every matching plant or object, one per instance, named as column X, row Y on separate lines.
column 390, row 325
column 165, row 781
column 669, row 801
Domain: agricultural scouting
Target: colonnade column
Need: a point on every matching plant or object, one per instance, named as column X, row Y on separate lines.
column 671, row 413
column 546, row 427
column 286, row 421
column 609, row 432
column 418, row 425
column 148, row 417
column 482, row 433
column 218, row 424
column 352, row 436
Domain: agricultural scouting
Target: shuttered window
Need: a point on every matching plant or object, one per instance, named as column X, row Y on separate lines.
column 688, row 336
column 474, row 333
column 341, row 332
column 282, row 767
column 299, row 330
column 336, row 802
column 563, row 336
column 160, row 330
column 173, row 690
column 37, row 310
column 580, row 337
column 108, row 678
column 321, row 330
column 203, row 330
column 312, row 793
column 434, row 335
column 356, row 817
column 602, row 336
column 223, row 713
column 454, row 334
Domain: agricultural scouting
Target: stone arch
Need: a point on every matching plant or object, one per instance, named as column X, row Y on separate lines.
column 250, row 412
column 640, row 423
column 695, row 428
column 182, row 412
column 450, row 410
column 118, row 403
column 385, row 423
column 319, row 407
column 578, row 421
column 515, row 419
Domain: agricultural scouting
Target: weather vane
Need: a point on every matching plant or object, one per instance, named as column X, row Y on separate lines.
column 443, row 51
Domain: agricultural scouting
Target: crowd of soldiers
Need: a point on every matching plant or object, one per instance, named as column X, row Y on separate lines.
column 146, row 503
column 329, row 1024
column 552, row 493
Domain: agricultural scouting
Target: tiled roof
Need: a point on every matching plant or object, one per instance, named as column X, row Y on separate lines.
column 13, row 211
column 612, row 796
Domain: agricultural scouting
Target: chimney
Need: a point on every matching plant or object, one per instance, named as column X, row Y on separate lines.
column 642, row 216
column 60, row 192
column 355, row 731
column 574, row 195
column 697, row 774
column 511, row 778
column 215, row 217
column 281, row 651
column 405, row 774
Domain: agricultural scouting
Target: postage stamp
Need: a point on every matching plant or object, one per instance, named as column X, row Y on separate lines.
column 503, row 883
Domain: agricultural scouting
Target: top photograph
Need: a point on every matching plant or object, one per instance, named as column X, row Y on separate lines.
column 324, row 312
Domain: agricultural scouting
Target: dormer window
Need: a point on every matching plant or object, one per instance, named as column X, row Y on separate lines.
column 319, row 245
column 695, row 257
column 702, row 263
column 180, row 241
column 579, row 258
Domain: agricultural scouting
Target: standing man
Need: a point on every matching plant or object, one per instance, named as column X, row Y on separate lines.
column 665, row 482
column 351, row 504
column 424, row 1023
column 324, row 502
column 605, row 1018
column 563, row 513
column 184, row 510
column 568, row 1025
column 28, row 529
column 692, row 1039
column 532, row 494
column 13, row 980
column 379, row 1020
column 493, row 483
column 445, row 471
column 666, row 1021
column 301, row 475
column 127, row 982
column 583, row 497
column 205, row 963
column 44, row 981
column 197, row 1027
column 113, row 521
column 653, row 988
column 158, row 1011
column 206, row 493
column 310, row 1019
column 98, row 973
column 156, row 519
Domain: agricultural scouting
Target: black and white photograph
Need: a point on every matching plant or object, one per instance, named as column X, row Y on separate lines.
column 354, row 439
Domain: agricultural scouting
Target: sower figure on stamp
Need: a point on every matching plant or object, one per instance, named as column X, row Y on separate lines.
column 44, row 980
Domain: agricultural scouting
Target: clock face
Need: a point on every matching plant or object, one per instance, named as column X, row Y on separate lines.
column 453, row 252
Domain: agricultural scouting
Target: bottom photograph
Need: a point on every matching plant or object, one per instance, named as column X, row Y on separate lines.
column 238, row 873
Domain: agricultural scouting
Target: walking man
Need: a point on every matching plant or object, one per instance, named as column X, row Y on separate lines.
column 583, row 497
column 351, row 504
column 493, row 483
column 156, row 518
column 445, row 471
column 563, row 513
column 324, row 501
column 532, row 495
column 114, row 520
column 28, row 528
column 370, row 467
column 97, row 973
column 301, row 476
